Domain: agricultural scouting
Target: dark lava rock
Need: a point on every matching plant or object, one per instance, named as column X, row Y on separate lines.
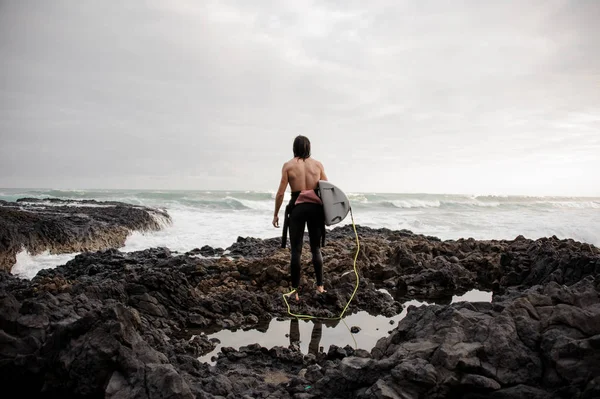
column 250, row 247
column 133, row 325
column 207, row 251
column 65, row 226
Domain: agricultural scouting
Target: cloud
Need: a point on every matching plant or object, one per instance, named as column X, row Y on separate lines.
column 395, row 96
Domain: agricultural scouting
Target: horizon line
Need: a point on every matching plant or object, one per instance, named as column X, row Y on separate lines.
column 272, row 191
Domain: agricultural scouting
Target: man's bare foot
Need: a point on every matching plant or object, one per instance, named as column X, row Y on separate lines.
column 320, row 289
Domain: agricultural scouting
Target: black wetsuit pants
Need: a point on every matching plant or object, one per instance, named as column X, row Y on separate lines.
column 311, row 215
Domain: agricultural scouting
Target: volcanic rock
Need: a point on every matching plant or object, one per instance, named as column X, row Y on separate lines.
column 67, row 226
column 133, row 325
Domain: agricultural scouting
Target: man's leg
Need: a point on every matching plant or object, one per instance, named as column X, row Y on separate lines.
column 315, row 225
column 296, row 237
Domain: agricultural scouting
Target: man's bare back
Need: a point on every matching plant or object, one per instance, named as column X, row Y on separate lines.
column 300, row 174
column 304, row 174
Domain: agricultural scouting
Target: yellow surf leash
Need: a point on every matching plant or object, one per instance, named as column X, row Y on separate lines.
column 308, row 317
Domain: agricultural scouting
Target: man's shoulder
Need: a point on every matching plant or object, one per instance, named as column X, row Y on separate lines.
column 288, row 164
column 318, row 163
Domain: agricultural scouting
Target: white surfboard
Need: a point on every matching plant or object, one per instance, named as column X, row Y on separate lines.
column 335, row 203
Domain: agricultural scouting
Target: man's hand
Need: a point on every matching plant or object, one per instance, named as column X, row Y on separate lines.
column 276, row 221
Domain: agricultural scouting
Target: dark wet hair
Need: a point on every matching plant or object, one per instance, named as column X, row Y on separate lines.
column 302, row 147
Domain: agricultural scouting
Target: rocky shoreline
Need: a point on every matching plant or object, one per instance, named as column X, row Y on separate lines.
column 67, row 226
column 119, row 325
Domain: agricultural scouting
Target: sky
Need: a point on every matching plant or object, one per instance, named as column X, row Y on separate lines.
column 459, row 97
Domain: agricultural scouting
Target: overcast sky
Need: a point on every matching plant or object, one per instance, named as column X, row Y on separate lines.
column 473, row 97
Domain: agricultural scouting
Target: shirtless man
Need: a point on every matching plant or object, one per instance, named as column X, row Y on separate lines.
column 303, row 174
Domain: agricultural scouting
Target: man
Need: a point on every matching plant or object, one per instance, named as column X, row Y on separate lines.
column 305, row 208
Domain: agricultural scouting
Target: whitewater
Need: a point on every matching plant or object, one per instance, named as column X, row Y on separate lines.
column 218, row 218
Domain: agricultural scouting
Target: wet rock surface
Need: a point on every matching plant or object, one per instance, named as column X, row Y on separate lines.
column 133, row 325
column 66, row 226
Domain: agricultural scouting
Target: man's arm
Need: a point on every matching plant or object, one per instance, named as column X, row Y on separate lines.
column 280, row 194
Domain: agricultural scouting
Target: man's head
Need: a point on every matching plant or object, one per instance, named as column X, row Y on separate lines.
column 302, row 147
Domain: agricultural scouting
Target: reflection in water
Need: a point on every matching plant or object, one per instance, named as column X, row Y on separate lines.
column 323, row 333
column 315, row 336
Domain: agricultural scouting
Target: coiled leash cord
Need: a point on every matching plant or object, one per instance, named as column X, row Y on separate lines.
column 308, row 317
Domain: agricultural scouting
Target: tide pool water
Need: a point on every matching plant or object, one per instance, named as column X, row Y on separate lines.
column 312, row 335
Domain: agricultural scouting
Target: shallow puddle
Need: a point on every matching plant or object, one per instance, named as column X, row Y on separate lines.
column 317, row 335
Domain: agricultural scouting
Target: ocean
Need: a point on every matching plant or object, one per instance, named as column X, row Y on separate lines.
column 217, row 218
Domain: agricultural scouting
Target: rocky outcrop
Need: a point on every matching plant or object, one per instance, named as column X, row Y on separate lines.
column 66, row 226
column 544, row 341
column 130, row 325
